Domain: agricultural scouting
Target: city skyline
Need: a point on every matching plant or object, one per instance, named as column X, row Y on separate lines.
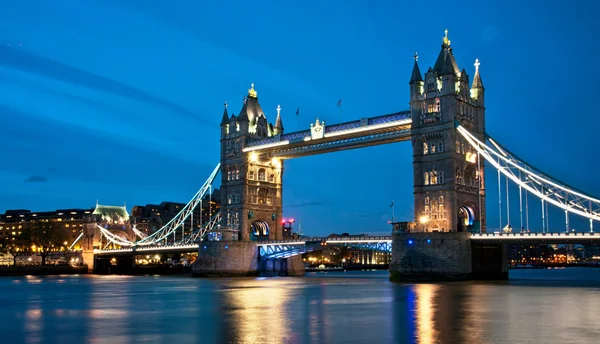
column 131, row 113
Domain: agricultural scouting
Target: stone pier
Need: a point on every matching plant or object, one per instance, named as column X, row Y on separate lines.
column 423, row 257
column 241, row 258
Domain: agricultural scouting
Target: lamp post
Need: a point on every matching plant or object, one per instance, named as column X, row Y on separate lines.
column 424, row 220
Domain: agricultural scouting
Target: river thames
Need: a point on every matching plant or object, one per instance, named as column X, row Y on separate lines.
column 535, row 306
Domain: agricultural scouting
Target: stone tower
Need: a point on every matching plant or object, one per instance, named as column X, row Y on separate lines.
column 251, row 186
column 449, row 190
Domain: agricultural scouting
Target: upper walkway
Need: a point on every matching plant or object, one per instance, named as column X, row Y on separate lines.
column 321, row 138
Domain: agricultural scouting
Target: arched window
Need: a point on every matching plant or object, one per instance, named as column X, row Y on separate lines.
column 441, row 147
column 262, row 176
column 433, row 148
column 425, row 148
column 426, row 178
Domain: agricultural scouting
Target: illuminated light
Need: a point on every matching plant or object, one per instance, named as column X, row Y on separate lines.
column 471, row 157
column 307, row 138
column 369, row 127
column 253, row 157
column 205, row 247
column 424, row 219
column 226, row 246
column 429, row 241
column 276, row 163
column 267, row 145
column 410, row 242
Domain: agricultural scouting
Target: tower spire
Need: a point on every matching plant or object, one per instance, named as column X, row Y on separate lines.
column 477, row 78
column 416, row 72
column 278, row 122
column 225, row 118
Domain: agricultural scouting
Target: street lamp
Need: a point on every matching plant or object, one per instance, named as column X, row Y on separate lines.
column 424, row 220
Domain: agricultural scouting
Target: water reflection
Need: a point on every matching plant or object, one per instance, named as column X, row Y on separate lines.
column 318, row 309
column 257, row 313
column 425, row 311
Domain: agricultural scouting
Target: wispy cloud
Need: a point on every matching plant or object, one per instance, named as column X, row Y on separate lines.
column 29, row 62
column 36, row 179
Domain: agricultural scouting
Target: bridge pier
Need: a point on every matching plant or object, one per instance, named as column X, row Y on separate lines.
column 292, row 266
column 450, row 256
column 241, row 258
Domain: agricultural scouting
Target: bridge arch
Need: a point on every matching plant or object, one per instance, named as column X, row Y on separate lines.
column 468, row 215
column 259, row 228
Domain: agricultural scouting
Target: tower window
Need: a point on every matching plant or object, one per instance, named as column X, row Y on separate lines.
column 251, row 175
column 228, row 175
column 426, row 178
column 440, row 177
column 237, row 174
column 441, row 147
column 433, row 177
column 457, row 143
column 441, row 199
column 427, row 200
column 262, row 176
column 272, row 178
column 425, row 148
column 433, row 148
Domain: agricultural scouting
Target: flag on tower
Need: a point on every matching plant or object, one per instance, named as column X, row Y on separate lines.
column 392, row 205
column 298, row 111
column 339, row 102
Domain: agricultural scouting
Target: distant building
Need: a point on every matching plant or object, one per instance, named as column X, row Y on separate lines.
column 14, row 222
column 151, row 217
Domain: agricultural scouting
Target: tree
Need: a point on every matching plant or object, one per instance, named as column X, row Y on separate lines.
column 45, row 236
column 16, row 248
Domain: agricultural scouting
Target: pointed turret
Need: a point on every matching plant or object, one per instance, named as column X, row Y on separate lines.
column 278, row 124
column 477, row 78
column 445, row 63
column 477, row 88
column 416, row 72
column 225, row 119
column 243, row 116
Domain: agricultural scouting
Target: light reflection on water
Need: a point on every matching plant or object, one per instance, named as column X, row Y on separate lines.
column 559, row 306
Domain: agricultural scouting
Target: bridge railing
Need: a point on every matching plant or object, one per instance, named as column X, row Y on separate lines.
column 528, row 235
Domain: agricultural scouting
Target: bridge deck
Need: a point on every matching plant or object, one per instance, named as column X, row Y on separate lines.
column 360, row 133
column 537, row 238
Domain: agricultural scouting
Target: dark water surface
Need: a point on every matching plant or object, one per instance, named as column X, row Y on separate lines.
column 536, row 306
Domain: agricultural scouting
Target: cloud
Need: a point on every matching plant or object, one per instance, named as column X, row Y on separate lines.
column 32, row 63
column 36, row 179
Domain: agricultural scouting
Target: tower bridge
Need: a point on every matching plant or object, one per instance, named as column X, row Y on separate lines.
column 446, row 128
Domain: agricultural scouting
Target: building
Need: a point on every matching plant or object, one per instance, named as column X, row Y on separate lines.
column 151, row 217
column 251, row 187
column 449, row 190
column 14, row 222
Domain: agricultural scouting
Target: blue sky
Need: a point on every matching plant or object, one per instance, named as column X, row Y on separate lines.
column 121, row 101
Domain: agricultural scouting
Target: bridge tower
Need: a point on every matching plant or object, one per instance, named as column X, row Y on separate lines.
column 449, row 190
column 251, row 186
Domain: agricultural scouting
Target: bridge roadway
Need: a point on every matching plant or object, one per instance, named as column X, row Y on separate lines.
column 286, row 248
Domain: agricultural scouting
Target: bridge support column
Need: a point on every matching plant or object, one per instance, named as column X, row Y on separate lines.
column 226, row 258
column 292, row 266
column 425, row 257
column 89, row 259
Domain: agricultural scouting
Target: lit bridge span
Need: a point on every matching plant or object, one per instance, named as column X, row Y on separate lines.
column 274, row 249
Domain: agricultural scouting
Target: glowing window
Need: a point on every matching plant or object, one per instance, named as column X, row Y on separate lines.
column 425, row 148
column 262, row 176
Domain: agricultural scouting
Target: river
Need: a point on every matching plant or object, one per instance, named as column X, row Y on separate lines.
column 535, row 306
